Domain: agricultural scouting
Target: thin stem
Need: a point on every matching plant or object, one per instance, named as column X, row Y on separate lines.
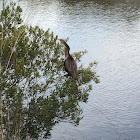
column 13, row 49
column 12, row 53
column 1, row 116
column 8, row 124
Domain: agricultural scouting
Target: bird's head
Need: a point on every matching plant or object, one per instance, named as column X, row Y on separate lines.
column 64, row 43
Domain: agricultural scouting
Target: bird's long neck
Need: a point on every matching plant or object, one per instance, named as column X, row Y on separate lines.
column 66, row 50
column 66, row 53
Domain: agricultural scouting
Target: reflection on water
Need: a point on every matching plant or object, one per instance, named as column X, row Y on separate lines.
column 110, row 31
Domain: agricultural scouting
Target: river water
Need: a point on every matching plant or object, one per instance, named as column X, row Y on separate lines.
column 110, row 31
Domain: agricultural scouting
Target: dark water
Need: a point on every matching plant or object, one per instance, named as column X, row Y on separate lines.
column 110, row 31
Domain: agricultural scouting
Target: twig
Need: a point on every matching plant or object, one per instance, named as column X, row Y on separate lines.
column 12, row 53
column 13, row 50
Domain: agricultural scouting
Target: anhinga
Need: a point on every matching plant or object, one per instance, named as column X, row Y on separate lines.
column 69, row 64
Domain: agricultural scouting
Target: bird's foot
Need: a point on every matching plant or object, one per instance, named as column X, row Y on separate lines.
column 66, row 75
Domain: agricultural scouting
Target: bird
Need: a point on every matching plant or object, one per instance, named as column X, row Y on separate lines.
column 69, row 63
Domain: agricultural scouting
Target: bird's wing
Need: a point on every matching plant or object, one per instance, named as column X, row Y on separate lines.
column 71, row 68
column 74, row 70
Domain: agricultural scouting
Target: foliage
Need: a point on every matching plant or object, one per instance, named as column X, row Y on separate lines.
column 35, row 93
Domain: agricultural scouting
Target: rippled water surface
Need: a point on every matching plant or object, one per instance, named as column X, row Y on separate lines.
column 110, row 31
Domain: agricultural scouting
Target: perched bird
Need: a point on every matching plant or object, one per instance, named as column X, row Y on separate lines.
column 69, row 64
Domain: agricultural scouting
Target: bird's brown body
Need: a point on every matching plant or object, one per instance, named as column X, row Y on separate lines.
column 69, row 64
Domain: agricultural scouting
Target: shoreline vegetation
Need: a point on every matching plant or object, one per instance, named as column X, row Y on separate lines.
column 34, row 94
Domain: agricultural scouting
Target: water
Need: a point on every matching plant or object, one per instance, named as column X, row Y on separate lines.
column 110, row 31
